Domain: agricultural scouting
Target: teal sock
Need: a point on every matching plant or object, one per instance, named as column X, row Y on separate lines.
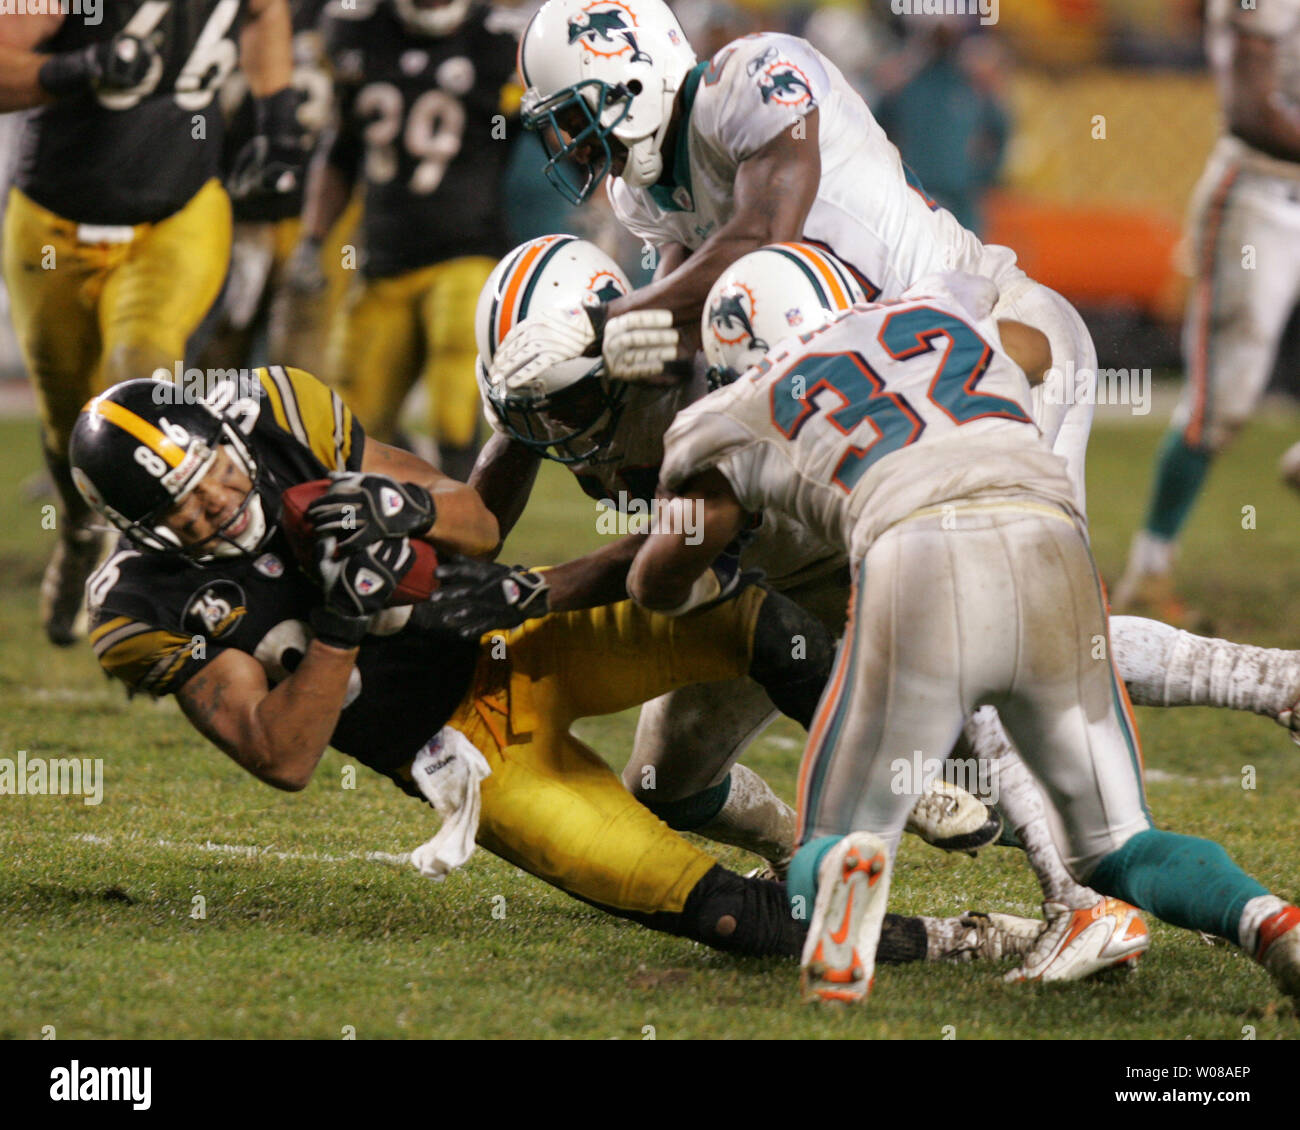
column 801, row 882
column 1180, row 474
column 1183, row 880
column 694, row 811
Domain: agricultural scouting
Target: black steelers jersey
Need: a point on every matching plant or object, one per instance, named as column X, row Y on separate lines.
column 422, row 121
column 136, row 156
column 310, row 79
column 157, row 619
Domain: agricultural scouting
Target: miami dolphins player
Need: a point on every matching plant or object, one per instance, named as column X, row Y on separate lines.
column 713, row 159
column 973, row 584
column 610, row 436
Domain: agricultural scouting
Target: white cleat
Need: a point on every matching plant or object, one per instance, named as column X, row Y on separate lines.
column 839, row 954
column 1078, row 943
column 948, row 817
column 991, row 937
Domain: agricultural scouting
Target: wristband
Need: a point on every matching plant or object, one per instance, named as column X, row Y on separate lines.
column 276, row 115
column 337, row 630
column 67, row 73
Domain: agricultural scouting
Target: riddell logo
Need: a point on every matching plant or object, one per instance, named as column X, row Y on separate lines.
column 605, row 30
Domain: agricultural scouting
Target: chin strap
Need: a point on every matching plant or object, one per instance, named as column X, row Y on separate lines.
column 652, row 168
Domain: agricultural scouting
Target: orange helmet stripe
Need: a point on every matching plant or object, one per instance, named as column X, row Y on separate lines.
column 139, row 427
column 506, row 314
column 814, row 258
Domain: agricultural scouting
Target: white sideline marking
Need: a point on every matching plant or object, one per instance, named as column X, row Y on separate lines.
column 1161, row 777
column 250, row 851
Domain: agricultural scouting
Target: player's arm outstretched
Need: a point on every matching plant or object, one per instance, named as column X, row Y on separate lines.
column 641, row 332
column 774, row 192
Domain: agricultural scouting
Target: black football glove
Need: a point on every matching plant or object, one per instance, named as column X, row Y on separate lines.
column 359, row 509
column 111, row 66
column 474, row 597
column 269, row 168
column 357, row 588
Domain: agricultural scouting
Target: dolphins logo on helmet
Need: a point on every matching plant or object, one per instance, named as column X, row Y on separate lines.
column 729, row 319
column 758, row 299
column 594, row 28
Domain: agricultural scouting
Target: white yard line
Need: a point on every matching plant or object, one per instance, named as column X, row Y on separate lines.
column 1161, row 777
column 249, row 851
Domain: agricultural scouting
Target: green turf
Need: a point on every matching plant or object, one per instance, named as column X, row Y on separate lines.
column 97, row 930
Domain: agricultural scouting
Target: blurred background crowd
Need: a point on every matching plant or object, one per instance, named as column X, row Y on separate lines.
column 1070, row 130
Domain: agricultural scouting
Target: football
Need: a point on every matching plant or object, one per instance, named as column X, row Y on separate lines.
column 420, row 580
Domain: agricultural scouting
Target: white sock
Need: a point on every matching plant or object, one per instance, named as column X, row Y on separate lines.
column 1150, row 554
column 1253, row 915
column 1021, row 804
column 1164, row 666
column 754, row 818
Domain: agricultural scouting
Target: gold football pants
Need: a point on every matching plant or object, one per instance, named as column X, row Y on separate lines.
column 398, row 330
column 94, row 306
column 551, row 805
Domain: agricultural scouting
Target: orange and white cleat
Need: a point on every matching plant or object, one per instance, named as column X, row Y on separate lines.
column 839, row 954
column 1278, row 949
column 1078, row 943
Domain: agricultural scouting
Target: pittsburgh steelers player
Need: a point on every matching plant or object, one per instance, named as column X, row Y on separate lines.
column 767, row 142
column 423, row 92
column 256, row 310
column 973, row 584
column 203, row 599
column 1245, row 232
column 117, row 232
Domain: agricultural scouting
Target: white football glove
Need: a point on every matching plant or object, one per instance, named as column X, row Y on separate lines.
column 540, row 341
column 638, row 345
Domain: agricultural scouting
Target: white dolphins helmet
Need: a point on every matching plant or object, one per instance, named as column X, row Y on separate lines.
column 772, row 293
column 596, row 69
column 434, row 21
column 570, row 412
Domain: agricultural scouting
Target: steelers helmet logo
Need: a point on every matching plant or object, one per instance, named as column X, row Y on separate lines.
column 731, row 318
column 606, row 29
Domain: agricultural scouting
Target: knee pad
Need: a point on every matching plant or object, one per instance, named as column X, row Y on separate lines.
column 792, row 657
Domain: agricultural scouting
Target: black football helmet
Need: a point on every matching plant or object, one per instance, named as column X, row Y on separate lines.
column 140, row 448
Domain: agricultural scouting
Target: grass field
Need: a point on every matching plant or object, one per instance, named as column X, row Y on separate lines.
column 305, row 935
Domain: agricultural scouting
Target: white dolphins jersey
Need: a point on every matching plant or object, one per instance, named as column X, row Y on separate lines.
column 885, row 411
column 1278, row 20
column 869, row 211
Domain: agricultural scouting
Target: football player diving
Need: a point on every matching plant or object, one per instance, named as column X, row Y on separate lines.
column 203, row 599
column 764, row 143
column 117, row 233
column 422, row 97
column 974, row 583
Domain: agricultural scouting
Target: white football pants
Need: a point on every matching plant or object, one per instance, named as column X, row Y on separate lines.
column 1006, row 610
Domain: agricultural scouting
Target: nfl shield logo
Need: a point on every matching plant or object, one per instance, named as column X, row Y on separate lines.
column 368, row 582
column 269, row 566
